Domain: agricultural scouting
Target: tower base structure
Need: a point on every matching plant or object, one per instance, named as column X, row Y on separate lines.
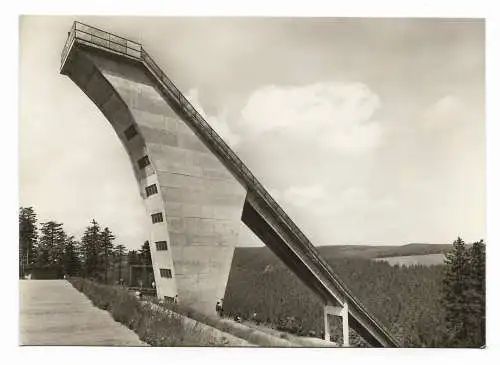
column 194, row 203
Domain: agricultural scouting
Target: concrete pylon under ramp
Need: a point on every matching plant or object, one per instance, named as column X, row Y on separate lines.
column 195, row 188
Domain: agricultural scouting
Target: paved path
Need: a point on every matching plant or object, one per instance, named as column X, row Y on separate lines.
column 52, row 312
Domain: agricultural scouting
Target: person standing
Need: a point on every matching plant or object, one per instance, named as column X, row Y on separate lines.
column 221, row 313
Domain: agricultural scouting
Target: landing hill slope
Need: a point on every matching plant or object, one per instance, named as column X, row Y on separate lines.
column 404, row 299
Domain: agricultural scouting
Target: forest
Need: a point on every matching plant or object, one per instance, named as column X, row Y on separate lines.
column 46, row 251
column 421, row 306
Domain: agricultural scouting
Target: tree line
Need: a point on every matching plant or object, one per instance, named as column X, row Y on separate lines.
column 464, row 295
column 46, row 249
column 422, row 306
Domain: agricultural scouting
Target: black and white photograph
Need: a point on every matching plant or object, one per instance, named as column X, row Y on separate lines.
column 284, row 182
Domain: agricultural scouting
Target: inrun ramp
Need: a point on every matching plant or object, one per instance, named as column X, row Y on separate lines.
column 194, row 186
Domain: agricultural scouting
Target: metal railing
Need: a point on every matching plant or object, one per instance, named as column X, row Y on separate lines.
column 68, row 44
column 90, row 35
column 97, row 37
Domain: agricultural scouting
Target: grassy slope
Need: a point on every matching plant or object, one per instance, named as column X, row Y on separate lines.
column 161, row 325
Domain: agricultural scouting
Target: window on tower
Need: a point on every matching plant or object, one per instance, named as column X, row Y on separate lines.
column 166, row 273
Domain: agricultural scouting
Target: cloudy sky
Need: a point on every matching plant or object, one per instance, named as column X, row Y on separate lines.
column 367, row 131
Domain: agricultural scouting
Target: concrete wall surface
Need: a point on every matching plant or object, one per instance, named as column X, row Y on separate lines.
column 197, row 203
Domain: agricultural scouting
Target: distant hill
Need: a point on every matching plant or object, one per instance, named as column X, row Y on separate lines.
column 259, row 256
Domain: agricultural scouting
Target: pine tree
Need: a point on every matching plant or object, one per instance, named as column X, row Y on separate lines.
column 119, row 254
column 90, row 250
column 71, row 262
column 51, row 246
column 454, row 291
column 145, row 260
column 28, row 235
column 107, row 249
column 464, row 294
column 476, row 295
column 145, row 254
column 133, row 258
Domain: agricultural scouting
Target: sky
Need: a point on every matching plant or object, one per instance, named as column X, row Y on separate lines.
column 366, row 131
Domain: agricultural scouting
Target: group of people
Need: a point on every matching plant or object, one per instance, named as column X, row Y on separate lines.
column 237, row 318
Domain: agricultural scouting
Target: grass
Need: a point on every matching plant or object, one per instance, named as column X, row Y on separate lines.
column 161, row 324
column 249, row 334
column 165, row 327
column 157, row 328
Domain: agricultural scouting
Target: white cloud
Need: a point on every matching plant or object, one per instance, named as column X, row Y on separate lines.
column 218, row 123
column 302, row 196
column 335, row 114
column 360, row 199
column 299, row 195
column 443, row 112
column 355, row 196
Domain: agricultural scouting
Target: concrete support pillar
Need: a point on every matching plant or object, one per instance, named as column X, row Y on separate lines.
column 327, row 326
column 345, row 325
column 342, row 312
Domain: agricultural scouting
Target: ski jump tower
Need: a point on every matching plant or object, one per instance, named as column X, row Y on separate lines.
column 195, row 189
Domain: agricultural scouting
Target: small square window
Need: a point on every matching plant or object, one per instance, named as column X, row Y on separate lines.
column 143, row 162
column 169, row 299
column 161, row 246
column 151, row 189
column 157, row 217
column 166, row 273
column 130, row 132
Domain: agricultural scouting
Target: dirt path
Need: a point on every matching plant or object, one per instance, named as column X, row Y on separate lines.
column 52, row 312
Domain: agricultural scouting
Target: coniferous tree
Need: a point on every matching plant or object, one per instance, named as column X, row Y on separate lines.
column 455, row 284
column 90, row 250
column 107, row 249
column 71, row 262
column 119, row 254
column 145, row 254
column 476, row 295
column 464, row 294
column 28, row 235
column 145, row 260
column 51, row 246
column 133, row 258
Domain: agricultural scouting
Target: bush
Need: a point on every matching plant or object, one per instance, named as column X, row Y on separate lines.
column 157, row 328
column 236, row 329
column 165, row 328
